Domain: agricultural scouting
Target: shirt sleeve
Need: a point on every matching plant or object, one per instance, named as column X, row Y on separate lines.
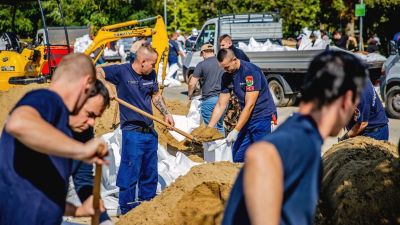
column 112, row 73
column 198, row 71
column 44, row 103
column 226, row 83
column 364, row 108
column 253, row 80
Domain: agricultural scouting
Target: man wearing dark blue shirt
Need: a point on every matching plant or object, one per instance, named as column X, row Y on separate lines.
column 369, row 118
column 82, row 127
column 36, row 145
column 225, row 41
column 173, row 55
column 280, row 180
column 136, row 84
column 251, row 88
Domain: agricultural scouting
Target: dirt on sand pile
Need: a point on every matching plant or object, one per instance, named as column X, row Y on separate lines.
column 361, row 184
column 206, row 134
column 9, row 98
column 196, row 198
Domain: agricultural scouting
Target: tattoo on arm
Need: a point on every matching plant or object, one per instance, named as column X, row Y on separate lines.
column 158, row 101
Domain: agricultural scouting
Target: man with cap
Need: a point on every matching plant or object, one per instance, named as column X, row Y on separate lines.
column 225, row 41
column 210, row 74
column 250, row 86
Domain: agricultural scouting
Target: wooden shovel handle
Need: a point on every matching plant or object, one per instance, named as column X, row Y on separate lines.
column 96, row 190
column 141, row 112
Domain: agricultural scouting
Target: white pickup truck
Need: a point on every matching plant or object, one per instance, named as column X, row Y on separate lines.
column 284, row 70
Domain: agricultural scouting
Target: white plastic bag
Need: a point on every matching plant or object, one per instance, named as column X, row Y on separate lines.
column 219, row 150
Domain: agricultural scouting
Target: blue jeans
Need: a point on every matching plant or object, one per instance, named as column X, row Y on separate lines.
column 379, row 133
column 206, row 108
column 83, row 181
column 253, row 131
column 138, row 167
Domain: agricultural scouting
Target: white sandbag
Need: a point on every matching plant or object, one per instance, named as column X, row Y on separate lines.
column 219, row 150
column 189, row 122
column 82, row 43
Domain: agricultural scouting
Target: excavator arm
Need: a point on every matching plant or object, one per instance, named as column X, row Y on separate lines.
column 113, row 33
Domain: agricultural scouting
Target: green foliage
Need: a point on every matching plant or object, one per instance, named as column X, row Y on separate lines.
column 187, row 14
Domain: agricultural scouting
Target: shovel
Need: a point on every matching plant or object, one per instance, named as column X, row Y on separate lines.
column 96, row 191
column 143, row 113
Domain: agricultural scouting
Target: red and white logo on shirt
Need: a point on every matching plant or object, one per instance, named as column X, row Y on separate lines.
column 249, row 83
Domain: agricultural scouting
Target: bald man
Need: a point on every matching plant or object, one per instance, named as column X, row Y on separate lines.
column 136, row 84
column 36, row 145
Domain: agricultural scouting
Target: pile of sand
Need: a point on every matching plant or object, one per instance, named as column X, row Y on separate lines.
column 198, row 197
column 361, row 184
column 9, row 98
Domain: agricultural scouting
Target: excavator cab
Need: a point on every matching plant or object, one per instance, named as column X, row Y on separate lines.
column 23, row 65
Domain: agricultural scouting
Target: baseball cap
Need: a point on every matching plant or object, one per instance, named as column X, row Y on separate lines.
column 206, row 47
column 195, row 32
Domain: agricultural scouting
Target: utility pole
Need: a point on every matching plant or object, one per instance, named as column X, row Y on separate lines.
column 165, row 12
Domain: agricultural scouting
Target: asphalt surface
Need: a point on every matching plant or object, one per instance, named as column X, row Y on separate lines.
column 180, row 93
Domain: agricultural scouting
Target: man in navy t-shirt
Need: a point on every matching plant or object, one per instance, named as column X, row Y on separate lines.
column 136, row 84
column 173, row 55
column 225, row 41
column 369, row 118
column 82, row 130
column 35, row 146
column 251, row 88
column 280, row 180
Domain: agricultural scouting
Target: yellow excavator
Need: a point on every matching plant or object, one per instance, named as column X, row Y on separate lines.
column 25, row 66
column 158, row 34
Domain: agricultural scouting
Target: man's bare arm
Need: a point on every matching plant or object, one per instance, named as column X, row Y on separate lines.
column 159, row 103
column 219, row 109
column 263, row 184
column 27, row 126
column 357, row 129
column 192, row 84
column 101, row 75
column 250, row 102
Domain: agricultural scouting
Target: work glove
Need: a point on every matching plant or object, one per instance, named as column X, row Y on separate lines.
column 344, row 137
column 232, row 136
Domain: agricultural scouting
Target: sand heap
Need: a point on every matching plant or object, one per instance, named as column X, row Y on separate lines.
column 361, row 184
column 9, row 98
column 196, row 198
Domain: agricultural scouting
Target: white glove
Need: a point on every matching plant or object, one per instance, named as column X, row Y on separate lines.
column 232, row 136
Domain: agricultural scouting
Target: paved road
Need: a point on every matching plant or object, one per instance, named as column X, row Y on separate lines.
column 180, row 93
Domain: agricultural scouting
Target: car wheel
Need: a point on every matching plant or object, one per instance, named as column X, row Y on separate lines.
column 393, row 102
column 278, row 93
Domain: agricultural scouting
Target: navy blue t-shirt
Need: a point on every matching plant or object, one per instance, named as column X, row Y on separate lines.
column 173, row 52
column 298, row 143
column 135, row 89
column 239, row 54
column 369, row 110
column 33, row 186
column 247, row 79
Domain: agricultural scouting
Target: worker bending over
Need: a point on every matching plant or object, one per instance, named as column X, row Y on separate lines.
column 36, row 145
column 210, row 74
column 82, row 130
column 251, row 88
column 136, row 84
column 369, row 118
column 280, row 180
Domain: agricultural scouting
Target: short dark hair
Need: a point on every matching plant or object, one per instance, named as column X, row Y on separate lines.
column 222, row 37
column 223, row 53
column 331, row 74
column 100, row 89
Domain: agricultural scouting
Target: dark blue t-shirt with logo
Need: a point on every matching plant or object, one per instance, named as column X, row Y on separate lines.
column 369, row 110
column 250, row 78
column 298, row 143
column 33, row 185
column 136, row 90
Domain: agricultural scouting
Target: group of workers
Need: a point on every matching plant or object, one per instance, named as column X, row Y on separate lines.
column 49, row 133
